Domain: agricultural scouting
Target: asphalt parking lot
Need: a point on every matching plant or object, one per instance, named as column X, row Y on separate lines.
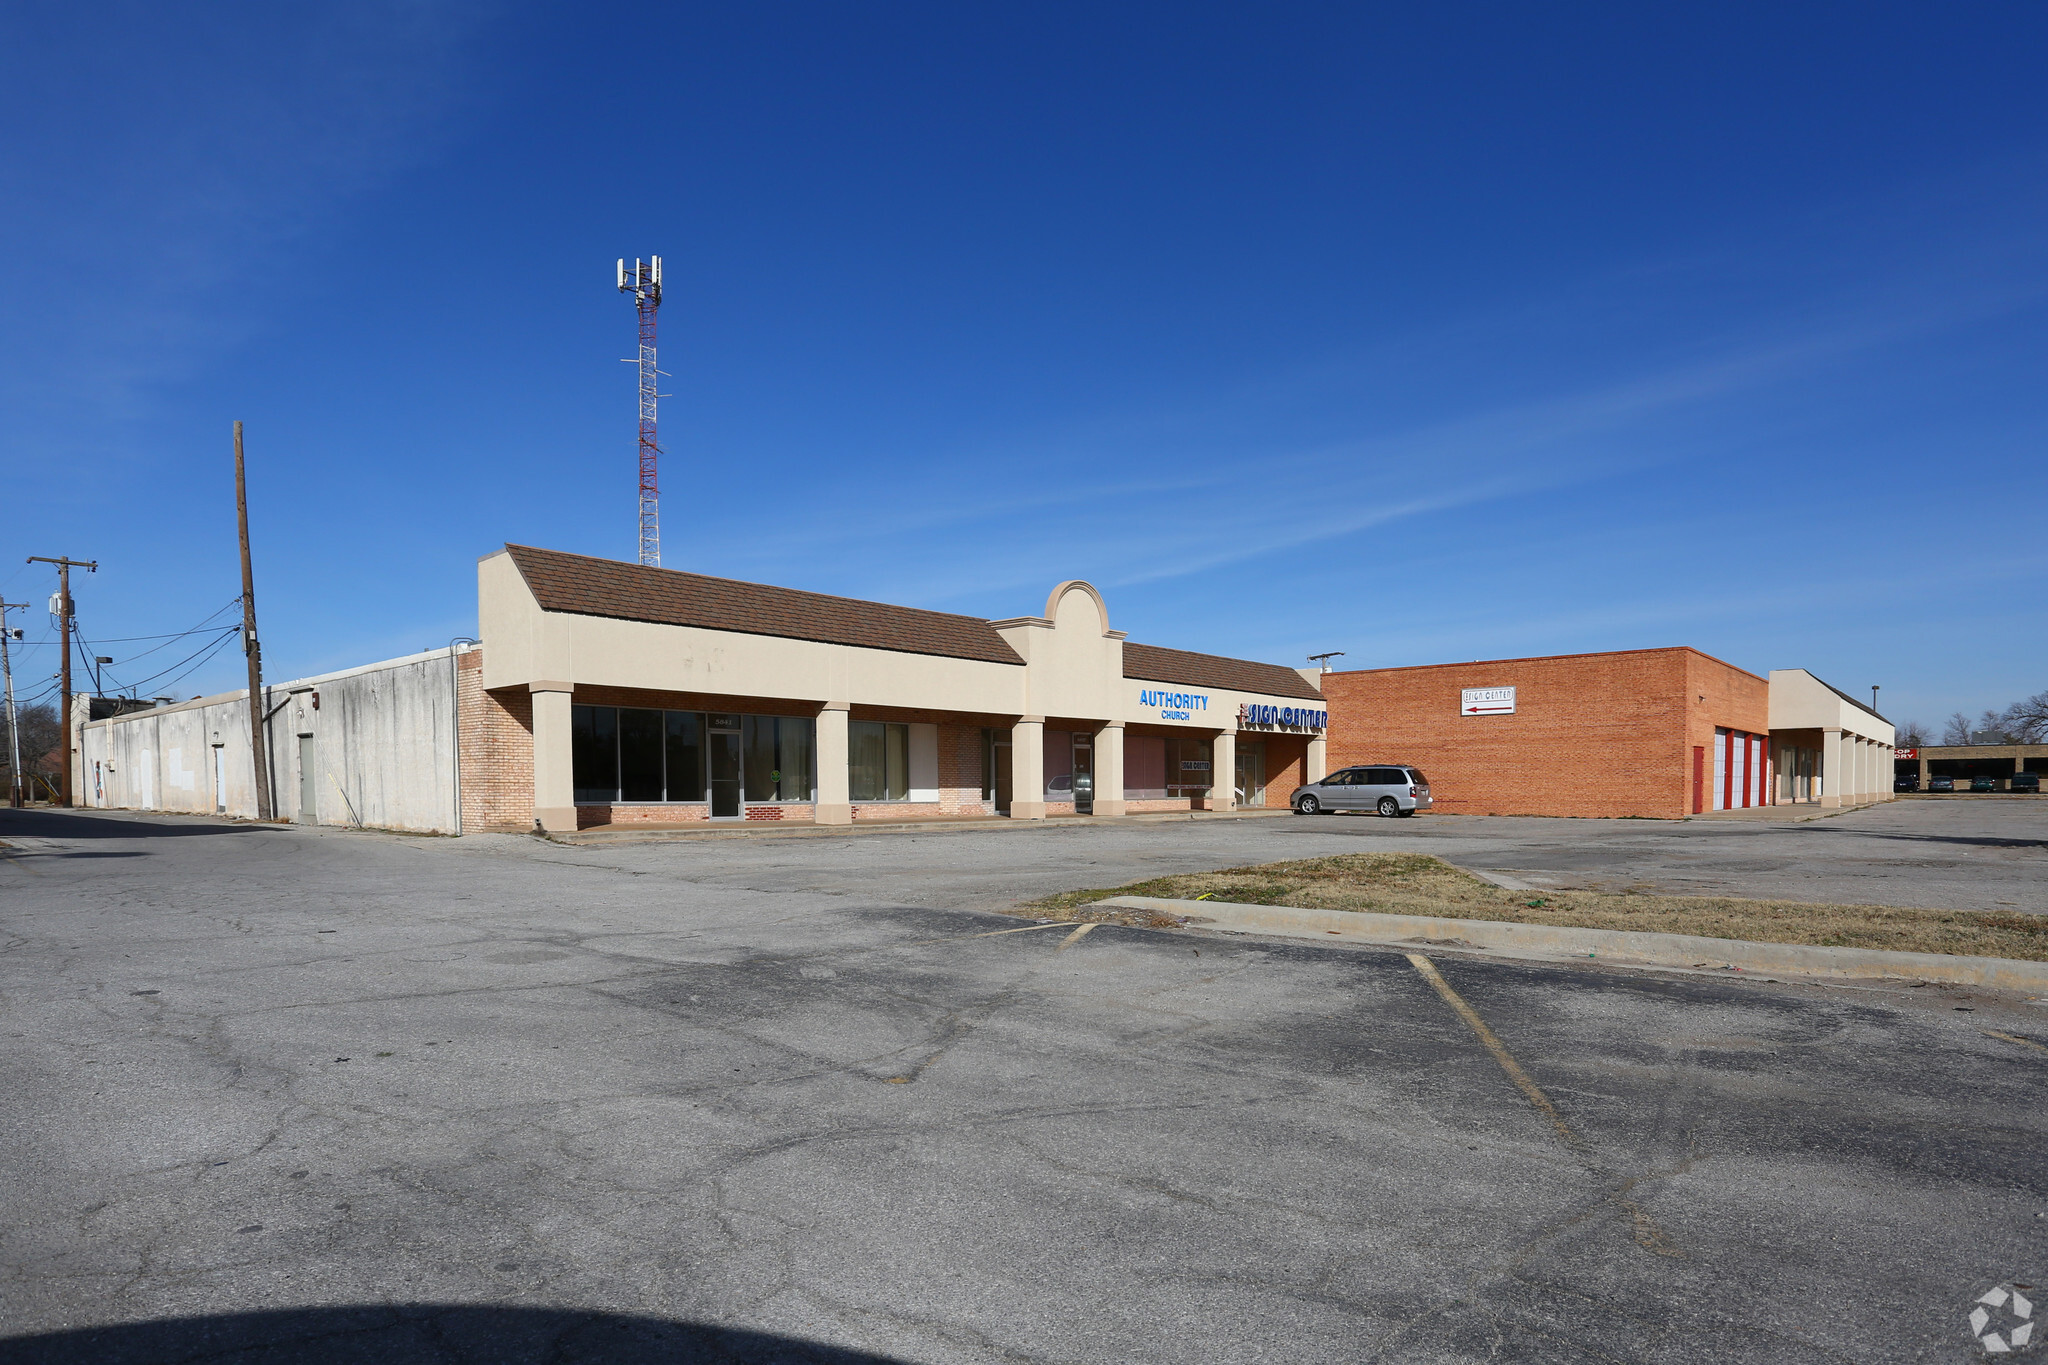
column 1956, row 855
column 284, row 1094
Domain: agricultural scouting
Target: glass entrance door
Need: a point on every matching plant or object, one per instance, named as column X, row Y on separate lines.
column 1084, row 774
column 999, row 758
column 1251, row 772
column 725, row 773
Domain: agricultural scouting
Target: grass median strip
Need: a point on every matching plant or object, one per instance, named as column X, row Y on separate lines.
column 1416, row 884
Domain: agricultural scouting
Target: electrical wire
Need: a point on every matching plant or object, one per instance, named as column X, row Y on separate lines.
column 200, row 629
column 208, row 649
column 218, row 645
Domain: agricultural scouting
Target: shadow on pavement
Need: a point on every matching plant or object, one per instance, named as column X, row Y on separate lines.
column 57, row 824
column 1974, row 840
column 415, row 1334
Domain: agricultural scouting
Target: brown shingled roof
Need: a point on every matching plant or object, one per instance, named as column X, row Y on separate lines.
column 1153, row 664
column 583, row 586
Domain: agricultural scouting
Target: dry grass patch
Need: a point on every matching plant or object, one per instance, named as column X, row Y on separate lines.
column 1416, row 884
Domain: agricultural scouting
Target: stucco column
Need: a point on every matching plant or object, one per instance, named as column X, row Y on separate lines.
column 1316, row 766
column 1109, row 769
column 834, row 806
column 1223, row 771
column 1832, row 777
column 1027, row 768
column 554, row 758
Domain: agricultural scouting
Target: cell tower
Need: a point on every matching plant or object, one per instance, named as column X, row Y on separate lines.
column 644, row 284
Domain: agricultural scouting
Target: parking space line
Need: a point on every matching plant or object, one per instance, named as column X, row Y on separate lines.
column 11, row 854
column 1642, row 1227
column 1071, row 939
column 993, row 933
column 1534, row 1093
column 2014, row 1038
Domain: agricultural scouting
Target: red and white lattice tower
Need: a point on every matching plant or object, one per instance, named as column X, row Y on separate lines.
column 643, row 282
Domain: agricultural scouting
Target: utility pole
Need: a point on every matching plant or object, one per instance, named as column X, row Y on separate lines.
column 7, row 634
column 64, row 613
column 1324, row 659
column 250, row 645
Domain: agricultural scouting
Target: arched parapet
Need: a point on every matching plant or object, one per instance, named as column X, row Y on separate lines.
column 1060, row 593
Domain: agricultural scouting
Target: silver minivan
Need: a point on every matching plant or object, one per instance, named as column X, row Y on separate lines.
column 1390, row 789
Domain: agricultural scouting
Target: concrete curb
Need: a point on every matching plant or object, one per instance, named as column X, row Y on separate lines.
column 1551, row 942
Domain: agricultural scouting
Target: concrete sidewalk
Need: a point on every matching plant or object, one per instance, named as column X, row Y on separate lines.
column 704, row 829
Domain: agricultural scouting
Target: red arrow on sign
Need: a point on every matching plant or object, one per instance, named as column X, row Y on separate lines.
column 1476, row 710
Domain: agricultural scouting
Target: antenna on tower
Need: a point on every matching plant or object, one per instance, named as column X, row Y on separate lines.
column 643, row 282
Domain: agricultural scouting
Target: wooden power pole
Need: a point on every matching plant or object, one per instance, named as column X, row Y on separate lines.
column 250, row 645
column 64, row 615
column 7, row 636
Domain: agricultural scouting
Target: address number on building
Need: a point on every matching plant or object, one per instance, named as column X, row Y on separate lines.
column 1487, row 701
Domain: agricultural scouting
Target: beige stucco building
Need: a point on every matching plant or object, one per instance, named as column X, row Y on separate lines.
column 1827, row 748
column 607, row 693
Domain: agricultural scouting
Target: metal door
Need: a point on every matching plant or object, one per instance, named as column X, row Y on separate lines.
column 1001, row 758
column 1251, row 773
column 220, row 783
column 725, row 774
column 309, row 782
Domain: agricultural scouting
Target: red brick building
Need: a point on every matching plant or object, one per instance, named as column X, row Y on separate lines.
column 1650, row 732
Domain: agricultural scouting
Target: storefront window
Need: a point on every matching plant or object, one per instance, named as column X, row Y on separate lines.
column 1187, row 767
column 685, row 765
column 641, row 740
column 595, row 743
column 793, row 755
column 877, row 761
column 636, row 754
column 1166, row 766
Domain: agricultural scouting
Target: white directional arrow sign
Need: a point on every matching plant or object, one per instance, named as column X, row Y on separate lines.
column 1487, row 701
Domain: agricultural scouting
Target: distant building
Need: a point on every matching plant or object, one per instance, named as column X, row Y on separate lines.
column 1661, row 733
column 1963, row 762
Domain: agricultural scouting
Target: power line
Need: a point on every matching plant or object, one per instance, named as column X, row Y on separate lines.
column 174, row 635
column 199, row 660
column 207, row 649
column 200, row 629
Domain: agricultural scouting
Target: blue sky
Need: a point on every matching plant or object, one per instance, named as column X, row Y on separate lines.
column 1417, row 332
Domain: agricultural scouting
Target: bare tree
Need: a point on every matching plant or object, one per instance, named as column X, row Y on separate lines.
column 1914, row 734
column 1956, row 730
column 41, row 737
column 2026, row 722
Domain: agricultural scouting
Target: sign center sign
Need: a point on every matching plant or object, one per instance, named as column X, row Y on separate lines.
column 1487, row 701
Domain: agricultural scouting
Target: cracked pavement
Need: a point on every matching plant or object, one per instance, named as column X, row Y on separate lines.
column 805, row 1088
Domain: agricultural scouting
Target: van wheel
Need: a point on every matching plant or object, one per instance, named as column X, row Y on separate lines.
column 1389, row 806
column 1308, row 805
